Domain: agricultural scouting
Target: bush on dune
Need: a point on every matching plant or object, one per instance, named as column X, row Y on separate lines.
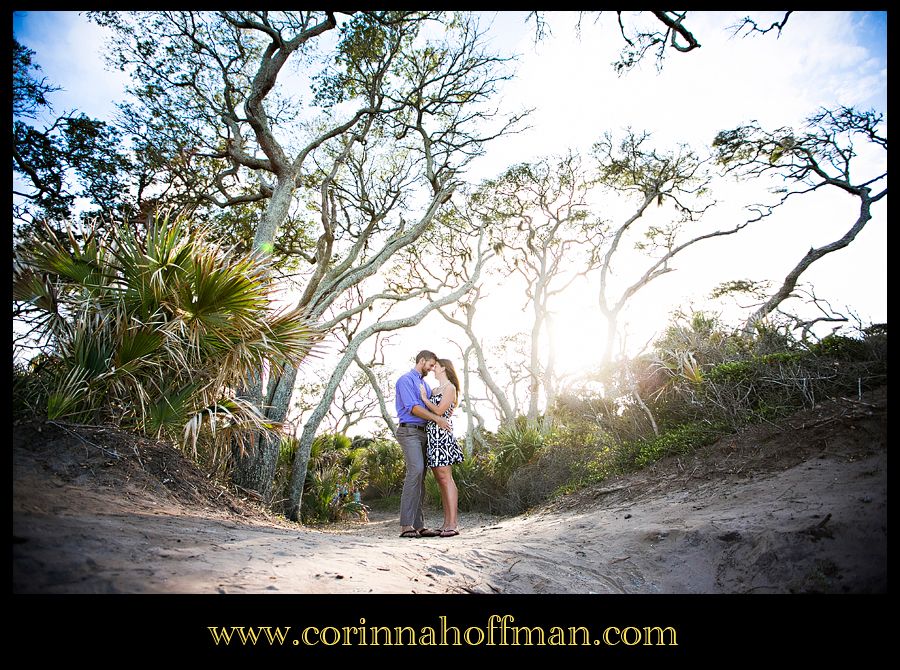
column 152, row 329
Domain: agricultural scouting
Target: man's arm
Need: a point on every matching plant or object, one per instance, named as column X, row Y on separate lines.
column 423, row 413
column 408, row 392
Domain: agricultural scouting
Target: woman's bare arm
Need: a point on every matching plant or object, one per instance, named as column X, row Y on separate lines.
column 448, row 397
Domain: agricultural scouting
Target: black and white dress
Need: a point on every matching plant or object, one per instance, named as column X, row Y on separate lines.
column 442, row 448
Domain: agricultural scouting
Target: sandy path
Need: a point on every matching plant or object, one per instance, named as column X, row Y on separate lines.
column 762, row 533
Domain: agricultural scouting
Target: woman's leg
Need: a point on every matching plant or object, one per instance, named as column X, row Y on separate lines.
column 449, row 495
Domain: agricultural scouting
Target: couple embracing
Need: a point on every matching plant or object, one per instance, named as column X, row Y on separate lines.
column 426, row 436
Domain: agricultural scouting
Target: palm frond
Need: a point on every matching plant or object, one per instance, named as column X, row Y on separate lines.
column 90, row 348
column 292, row 336
column 35, row 287
column 68, row 397
column 80, row 264
column 136, row 344
column 158, row 327
column 170, row 411
column 230, row 418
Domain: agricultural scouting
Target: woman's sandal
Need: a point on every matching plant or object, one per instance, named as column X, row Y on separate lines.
column 449, row 532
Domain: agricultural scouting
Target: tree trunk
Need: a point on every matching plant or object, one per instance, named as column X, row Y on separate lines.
column 612, row 319
column 275, row 214
column 508, row 415
column 301, row 458
column 790, row 281
column 550, row 370
column 255, row 469
column 373, row 382
column 470, row 420
column 534, row 384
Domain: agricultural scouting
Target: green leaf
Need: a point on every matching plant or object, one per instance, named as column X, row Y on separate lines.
column 136, row 344
column 69, row 395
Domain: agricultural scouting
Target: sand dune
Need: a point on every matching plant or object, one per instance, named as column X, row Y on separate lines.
column 796, row 508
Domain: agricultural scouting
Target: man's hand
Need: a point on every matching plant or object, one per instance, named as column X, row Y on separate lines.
column 423, row 413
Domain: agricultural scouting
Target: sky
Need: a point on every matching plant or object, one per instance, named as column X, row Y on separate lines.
column 820, row 59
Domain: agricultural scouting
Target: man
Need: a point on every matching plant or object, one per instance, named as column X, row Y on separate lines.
column 413, row 414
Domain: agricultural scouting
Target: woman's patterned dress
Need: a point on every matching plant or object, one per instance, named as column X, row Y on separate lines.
column 442, row 449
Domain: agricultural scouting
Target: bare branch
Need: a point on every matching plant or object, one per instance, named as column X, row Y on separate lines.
column 816, row 158
column 751, row 26
column 373, row 382
column 674, row 24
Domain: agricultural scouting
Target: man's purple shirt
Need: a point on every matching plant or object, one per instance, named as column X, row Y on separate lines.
column 406, row 396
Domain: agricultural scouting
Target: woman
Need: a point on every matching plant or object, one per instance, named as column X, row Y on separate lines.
column 442, row 449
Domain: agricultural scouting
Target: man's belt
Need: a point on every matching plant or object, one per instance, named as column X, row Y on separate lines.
column 420, row 426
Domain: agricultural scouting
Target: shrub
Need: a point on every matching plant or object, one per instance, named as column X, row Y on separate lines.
column 287, row 448
column 841, row 348
column 334, row 474
column 703, row 383
column 730, row 372
column 678, row 440
column 477, row 486
column 609, row 460
column 383, row 462
column 326, row 496
column 517, row 444
column 154, row 329
column 556, row 466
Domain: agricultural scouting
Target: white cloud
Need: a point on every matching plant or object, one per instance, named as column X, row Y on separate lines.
column 70, row 51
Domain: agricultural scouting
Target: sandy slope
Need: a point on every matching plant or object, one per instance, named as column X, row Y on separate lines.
column 794, row 508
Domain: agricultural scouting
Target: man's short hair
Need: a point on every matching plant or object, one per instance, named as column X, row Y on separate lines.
column 426, row 355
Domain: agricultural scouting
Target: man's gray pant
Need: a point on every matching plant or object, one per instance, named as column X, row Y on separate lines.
column 412, row 440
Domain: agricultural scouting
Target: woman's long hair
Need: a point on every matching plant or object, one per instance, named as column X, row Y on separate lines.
column 451, row 375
